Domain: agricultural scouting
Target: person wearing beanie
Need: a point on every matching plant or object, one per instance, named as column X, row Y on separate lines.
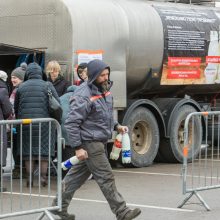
column 32, row 101
column 53, row 71
column 19, row 72
column 89, row 125
column 17, row 77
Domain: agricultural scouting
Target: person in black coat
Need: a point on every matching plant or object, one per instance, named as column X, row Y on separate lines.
column 5, row 112
column 32, row 101
column 53, row 71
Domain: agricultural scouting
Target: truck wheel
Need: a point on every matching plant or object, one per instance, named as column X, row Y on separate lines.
column 171, row 149
column 144, row 134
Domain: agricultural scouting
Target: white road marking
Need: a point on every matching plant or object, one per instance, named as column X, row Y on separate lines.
column 105, row 202
column 147, row 173
column 166, row 174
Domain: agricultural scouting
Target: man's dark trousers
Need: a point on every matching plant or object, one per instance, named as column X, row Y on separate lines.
column 97, row 164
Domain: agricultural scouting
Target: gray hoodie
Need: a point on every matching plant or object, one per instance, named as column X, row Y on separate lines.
column 91, row 114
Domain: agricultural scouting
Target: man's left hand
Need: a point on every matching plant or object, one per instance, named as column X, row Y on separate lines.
column 122, row 129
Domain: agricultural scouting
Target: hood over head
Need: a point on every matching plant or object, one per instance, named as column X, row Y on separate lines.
column 95, row 68
column 34, row 71
column 3, row 75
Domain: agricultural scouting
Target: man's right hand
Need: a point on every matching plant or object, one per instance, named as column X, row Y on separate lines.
column 81, row 154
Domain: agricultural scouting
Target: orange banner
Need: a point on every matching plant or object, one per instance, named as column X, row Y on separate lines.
column 184, row 61
column 183, row 74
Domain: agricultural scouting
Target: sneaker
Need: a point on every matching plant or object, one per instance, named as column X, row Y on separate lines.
column 63, row 215
column 131, row 214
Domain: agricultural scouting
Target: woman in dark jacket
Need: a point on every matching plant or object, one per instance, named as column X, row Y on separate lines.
column 54, row 76
column 5, row 111
column 31, row 101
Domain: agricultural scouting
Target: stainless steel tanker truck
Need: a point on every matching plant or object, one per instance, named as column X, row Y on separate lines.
column 164, row 59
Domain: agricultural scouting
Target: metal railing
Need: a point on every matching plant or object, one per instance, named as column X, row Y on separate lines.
column 26, row 196
column 203, row 172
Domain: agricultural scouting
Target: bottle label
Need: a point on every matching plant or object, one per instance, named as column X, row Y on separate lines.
column 126, row 153
column 117, row 143
column 67, row 164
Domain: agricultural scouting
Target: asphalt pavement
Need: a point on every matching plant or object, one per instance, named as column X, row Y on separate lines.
column 156, row 190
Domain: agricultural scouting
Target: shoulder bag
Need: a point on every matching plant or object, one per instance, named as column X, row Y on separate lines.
column 55, row 110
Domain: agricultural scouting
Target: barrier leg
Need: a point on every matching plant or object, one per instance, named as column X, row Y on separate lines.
column 41, row 216
column 48, row 214
column 199, row 198
column 185, row 200
column 202, row 201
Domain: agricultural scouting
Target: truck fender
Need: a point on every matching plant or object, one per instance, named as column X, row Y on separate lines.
column 174, row 110
column 145, row 124
column 169, row 106
column 133, row 104
column 177, row 106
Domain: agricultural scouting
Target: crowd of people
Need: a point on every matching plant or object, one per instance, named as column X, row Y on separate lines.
column 29, row 99
column 87, row 124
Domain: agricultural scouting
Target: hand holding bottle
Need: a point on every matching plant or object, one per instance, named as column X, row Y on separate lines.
column 81, row 154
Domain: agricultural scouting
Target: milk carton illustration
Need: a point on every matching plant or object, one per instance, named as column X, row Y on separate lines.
column 211, row 69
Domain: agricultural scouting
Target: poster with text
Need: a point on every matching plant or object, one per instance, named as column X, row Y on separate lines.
column 191, row 46
column 85, row 56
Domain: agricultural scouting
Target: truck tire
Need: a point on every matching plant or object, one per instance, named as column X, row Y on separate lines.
column 144, row 134
column 171, row 149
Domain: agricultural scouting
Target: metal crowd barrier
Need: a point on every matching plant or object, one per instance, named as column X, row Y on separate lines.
column 203, row 171
column 21, row 198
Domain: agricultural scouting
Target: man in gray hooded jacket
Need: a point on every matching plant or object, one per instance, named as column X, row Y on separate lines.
column 89, row 126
